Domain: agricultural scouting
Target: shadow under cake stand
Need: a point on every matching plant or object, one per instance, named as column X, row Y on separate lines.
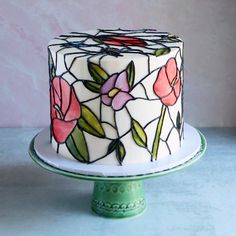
column 118, row 190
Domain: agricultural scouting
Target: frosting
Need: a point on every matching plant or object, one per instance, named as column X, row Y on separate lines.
column 116, row 96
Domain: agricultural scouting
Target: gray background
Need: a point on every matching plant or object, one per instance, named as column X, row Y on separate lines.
column 207, row 28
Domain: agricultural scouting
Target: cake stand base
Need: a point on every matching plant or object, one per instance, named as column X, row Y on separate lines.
column 118, row 199
column 118, row 190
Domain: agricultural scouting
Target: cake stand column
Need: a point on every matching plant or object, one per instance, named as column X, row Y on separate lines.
column 118, row 199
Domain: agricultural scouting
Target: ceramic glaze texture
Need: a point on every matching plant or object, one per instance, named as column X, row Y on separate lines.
column 116, row 95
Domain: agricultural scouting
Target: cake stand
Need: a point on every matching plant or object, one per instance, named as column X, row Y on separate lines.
column 118, row 190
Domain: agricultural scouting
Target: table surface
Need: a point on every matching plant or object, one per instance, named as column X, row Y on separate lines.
column 199, row 200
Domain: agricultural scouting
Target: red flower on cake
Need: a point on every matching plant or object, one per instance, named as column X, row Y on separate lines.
column 121, row 40
column 168, row 83
column 65, row 109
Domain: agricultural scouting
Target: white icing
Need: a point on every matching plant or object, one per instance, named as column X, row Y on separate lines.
column 70, row 79
column 143, row 110
column 163, row 150
column 122, row 121
column 109, row 130
column 75, row 59
column 108, row 114
column 173, row 141
column 83, row 93
column 133, row 155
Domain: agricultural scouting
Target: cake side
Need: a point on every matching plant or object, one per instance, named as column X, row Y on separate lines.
column 116, row 95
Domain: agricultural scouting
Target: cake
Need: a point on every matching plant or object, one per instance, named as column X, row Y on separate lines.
column 116, row 96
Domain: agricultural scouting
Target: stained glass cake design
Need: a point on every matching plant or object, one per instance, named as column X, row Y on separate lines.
column 116, row 96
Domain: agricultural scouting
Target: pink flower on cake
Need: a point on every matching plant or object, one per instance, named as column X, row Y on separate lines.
column 115, row 91
column 65, row 109
column 121, row 40
column 168, row 83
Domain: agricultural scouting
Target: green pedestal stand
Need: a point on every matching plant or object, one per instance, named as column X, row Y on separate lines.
column 117, row 197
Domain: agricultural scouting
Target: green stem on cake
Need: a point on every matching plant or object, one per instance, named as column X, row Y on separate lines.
column 156, row 141
column 116, row 127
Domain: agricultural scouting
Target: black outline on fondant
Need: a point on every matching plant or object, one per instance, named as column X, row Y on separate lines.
column 162, row 39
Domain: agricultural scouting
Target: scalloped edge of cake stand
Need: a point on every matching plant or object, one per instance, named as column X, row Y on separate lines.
column 42, row 153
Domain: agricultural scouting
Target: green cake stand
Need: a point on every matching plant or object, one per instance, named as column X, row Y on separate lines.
column 119, row 195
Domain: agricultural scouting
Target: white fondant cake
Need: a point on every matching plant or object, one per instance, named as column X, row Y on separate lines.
column 116, row 95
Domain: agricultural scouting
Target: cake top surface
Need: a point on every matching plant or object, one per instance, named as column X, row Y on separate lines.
column 116, row 43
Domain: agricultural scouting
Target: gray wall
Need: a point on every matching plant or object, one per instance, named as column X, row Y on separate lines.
column 207, row 27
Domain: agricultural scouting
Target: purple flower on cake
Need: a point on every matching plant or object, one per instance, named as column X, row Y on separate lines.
column 115, row 91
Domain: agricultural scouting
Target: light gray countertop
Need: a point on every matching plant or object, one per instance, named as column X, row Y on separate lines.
column 199, row 200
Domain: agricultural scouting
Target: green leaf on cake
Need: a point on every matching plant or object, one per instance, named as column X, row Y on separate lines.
column 92, row 86
column 97, row 39
column 178, row 121
column 97, row 73
column 90, row 123
column 117, row 146
column 77, row 145
column 120, row 152
column 138, row 134
column 112, row 146
column 131, row 73
column 161, row 51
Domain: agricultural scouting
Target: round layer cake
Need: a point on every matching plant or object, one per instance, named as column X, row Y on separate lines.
column 116, row 96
